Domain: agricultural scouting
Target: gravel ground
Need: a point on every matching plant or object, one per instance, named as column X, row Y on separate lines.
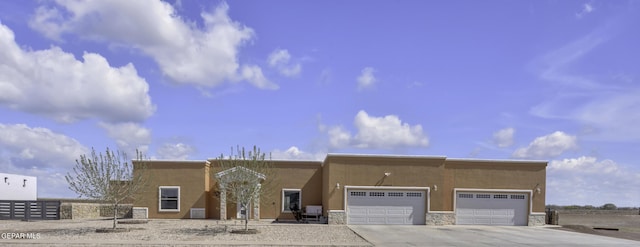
column 177, row 232
column 628, row 226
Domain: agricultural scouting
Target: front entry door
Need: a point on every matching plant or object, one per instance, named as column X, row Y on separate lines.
column 241, row 211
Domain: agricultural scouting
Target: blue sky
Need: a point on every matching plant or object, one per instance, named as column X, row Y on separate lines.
column 541, row 80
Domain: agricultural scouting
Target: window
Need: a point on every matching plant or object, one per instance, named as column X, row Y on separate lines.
column 519, row 197
column 376, row 194
column 358, row 193
column 396, row 194
column 500, row 196
column 169, row 198
column 483, row 196
column 414, row 194
column 465, row 195
column 291, row 199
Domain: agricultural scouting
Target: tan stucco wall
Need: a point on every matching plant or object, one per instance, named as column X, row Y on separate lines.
column 406, row 171
column 489, row 174
column 189, row 175
column 446, row 174
column 318, row 180
column 303, row 175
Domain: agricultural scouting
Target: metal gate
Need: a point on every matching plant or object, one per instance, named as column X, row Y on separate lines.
column 29, row 210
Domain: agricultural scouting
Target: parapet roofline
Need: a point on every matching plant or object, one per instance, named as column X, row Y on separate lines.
column 355, row 155
column 280, row 160
column 500, row 160
column 170, row 161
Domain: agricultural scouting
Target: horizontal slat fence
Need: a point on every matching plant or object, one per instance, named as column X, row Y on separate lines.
column 30, row 210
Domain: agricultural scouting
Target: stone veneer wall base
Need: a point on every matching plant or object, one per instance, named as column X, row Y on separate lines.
column 337, row 217
column 440, row 218
column 537, row 219
column 76, row 210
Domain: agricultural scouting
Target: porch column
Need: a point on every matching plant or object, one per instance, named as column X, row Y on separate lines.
column 256, row 203
column 223, row 203
column 256, row 208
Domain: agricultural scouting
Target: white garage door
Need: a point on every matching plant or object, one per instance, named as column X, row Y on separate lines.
column 477, row 208
column 386, row 207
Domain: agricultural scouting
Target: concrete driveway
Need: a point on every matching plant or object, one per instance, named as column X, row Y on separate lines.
column 380, row 235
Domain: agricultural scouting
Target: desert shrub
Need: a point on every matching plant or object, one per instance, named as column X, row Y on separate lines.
column 609, row 206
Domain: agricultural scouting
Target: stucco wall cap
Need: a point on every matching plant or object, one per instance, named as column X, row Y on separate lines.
column 531, row 162
column 384, row 156
column 315, row 162
column 171, row 161
column 231, row 170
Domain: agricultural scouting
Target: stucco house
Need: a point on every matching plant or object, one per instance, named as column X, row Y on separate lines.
column 360, row 189
column 15, row 187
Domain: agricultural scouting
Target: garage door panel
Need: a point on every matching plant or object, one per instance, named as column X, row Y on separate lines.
column 396, row 221
column 482, row 212
column 465, row 212
column 399, row 212
column 481, row 220
column 502, row 221
column 377, row 211
column 386, row 207
column 376, row 220
column 504, row 212
column 358, row 211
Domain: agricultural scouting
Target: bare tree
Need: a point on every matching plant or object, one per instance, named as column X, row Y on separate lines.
column 107, row 177
column 245, row 177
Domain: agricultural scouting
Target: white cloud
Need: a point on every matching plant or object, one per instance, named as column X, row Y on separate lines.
column 338, row 137
column 378, row 132
column 326, row 76
column 554, row 66
column 280, row 59
column 585, row 10
column 548, row 146
column 38, row 147
column 607, row 104
column 254, row 75
column 615, row 116
column 294, row 153
column 504, row 137
column 366, row 79
column 53, row 83
column 39, row 152
column 129, row 137
column 587, row 180
column 583, row 164
column 204, row 56
column 175, row 151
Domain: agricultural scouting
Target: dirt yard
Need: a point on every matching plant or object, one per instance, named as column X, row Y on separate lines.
column 628, row 226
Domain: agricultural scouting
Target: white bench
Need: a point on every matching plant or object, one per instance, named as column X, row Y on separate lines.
column 313, row 211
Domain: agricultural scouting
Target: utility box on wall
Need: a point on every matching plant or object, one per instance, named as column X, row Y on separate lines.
column 14, row 187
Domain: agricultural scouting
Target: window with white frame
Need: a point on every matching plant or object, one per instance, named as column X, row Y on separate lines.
column 291, row 200
column 169, row 198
